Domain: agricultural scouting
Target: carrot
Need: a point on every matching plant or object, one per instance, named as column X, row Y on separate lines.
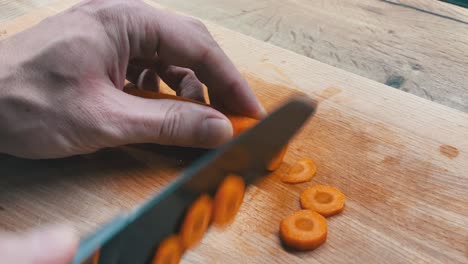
column 303, row 230
column 196, row 221
column 155, row 95
column 228, row 200
column 169, row 251
column 239, row 123
column 325, row 200
column 95, row 259
column 301, row 171
column 276, row 162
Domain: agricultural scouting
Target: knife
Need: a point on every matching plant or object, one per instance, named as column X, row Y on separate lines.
column 132, row 238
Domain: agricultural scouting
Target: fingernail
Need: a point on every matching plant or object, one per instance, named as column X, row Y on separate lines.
column 215, row 131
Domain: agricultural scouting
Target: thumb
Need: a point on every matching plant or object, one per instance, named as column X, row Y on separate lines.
column 168, row 122
column 52, row 245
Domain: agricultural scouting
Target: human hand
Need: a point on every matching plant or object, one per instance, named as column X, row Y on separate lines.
column 52, row 245
column 61, row 82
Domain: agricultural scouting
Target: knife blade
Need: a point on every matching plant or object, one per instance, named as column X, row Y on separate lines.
column 133, row 237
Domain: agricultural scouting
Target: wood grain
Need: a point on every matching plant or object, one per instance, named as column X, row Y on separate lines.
column 390, row 152
column 10, row 9
column 418, row 46
column 412, row 45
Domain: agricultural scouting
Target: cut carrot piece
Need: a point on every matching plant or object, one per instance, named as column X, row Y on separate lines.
column 301, row 171
column 325, row 200
column 303, row 230
column 95, row 259
column 196, row 221
column 170, row 251
column 278, row 160
column 239, row 123
column 228, row 200
column 155, row 95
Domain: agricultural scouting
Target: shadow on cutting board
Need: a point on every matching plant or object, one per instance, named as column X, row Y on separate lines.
column 106, row 163
column 87, row 190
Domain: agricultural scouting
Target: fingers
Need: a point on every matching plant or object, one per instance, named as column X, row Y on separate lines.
column 133, row 73
column 183, row 81
column 132, row 119
column 143, row 78
column 185, row 42
column 52, row 245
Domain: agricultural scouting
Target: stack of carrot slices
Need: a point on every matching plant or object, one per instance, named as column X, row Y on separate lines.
column 306, row 229
column 204, row 211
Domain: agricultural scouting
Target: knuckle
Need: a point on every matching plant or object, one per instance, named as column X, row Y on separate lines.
column 235, row 86
column 197, row 24
column 207, row 51
column 191, row 79
column 171, row 125
column 206, row 41
column 191, row 83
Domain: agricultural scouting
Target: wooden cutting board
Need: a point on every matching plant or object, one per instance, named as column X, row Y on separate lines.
column 402, row 162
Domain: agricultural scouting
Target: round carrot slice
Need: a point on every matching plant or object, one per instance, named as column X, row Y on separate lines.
column 196, row 221
column 170, row 251
column 301, row 171
column 228, row 200
column 303, row 230
column 325, row 200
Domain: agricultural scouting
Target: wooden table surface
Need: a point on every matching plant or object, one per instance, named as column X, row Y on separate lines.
column 401, row 161
column 418, row 46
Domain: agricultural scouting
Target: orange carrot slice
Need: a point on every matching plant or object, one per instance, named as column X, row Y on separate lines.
column 155, row 95
column 196, row 221
column 278, row 160
column 303, row 230
column 325, row 200
column 169, row 251
column 228, row 200
column 241, row 123
column 95, row 259
column 301, row 171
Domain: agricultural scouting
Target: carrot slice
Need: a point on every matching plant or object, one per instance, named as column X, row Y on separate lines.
column 325, row 200
column 239, row 123
column 278, row 160
column 155, row 95
column 170, row 251
column 95, row 259
column 301, row 171
column 196, row 221
column 303, row 230
column 228, row 200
